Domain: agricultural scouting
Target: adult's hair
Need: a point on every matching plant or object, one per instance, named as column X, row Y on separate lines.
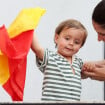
column 71, row 23
column 98, row 15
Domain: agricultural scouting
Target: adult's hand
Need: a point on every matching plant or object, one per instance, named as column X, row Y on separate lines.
column 98, row 73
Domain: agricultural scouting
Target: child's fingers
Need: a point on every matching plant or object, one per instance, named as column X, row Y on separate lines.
column 88, row 67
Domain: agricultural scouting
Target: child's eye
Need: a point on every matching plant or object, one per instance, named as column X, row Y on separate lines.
column 67, row 38
column 77, row 42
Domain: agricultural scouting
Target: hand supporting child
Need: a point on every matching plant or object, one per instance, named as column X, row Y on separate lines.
column 92, row 70
column 88, row 66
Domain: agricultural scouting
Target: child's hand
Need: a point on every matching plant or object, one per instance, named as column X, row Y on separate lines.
column 83, row 76
column 88, row 66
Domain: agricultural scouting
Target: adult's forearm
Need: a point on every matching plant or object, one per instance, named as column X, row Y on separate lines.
column 102, row 62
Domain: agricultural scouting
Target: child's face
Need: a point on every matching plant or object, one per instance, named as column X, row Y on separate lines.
column 69, row 41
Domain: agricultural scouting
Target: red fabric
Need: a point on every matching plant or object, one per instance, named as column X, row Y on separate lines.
column 16, row 49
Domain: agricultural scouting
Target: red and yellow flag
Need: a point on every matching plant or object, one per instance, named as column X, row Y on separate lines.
column 15, row 43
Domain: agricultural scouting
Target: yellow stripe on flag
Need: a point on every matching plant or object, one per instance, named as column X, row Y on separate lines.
column 27, row 19
column 0, row 52
column 4, row 69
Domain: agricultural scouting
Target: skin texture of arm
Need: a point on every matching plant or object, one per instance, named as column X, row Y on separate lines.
column 37, row 49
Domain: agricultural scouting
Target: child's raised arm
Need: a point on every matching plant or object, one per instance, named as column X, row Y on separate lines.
column 37, row 49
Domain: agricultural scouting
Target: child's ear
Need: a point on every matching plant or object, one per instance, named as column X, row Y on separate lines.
column 56, row 38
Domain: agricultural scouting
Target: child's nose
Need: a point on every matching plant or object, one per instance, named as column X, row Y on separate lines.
column 71, row 42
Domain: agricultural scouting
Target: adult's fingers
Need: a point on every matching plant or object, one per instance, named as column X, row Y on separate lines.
column 89, row 74
column 94, row 76
column 99, row 66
